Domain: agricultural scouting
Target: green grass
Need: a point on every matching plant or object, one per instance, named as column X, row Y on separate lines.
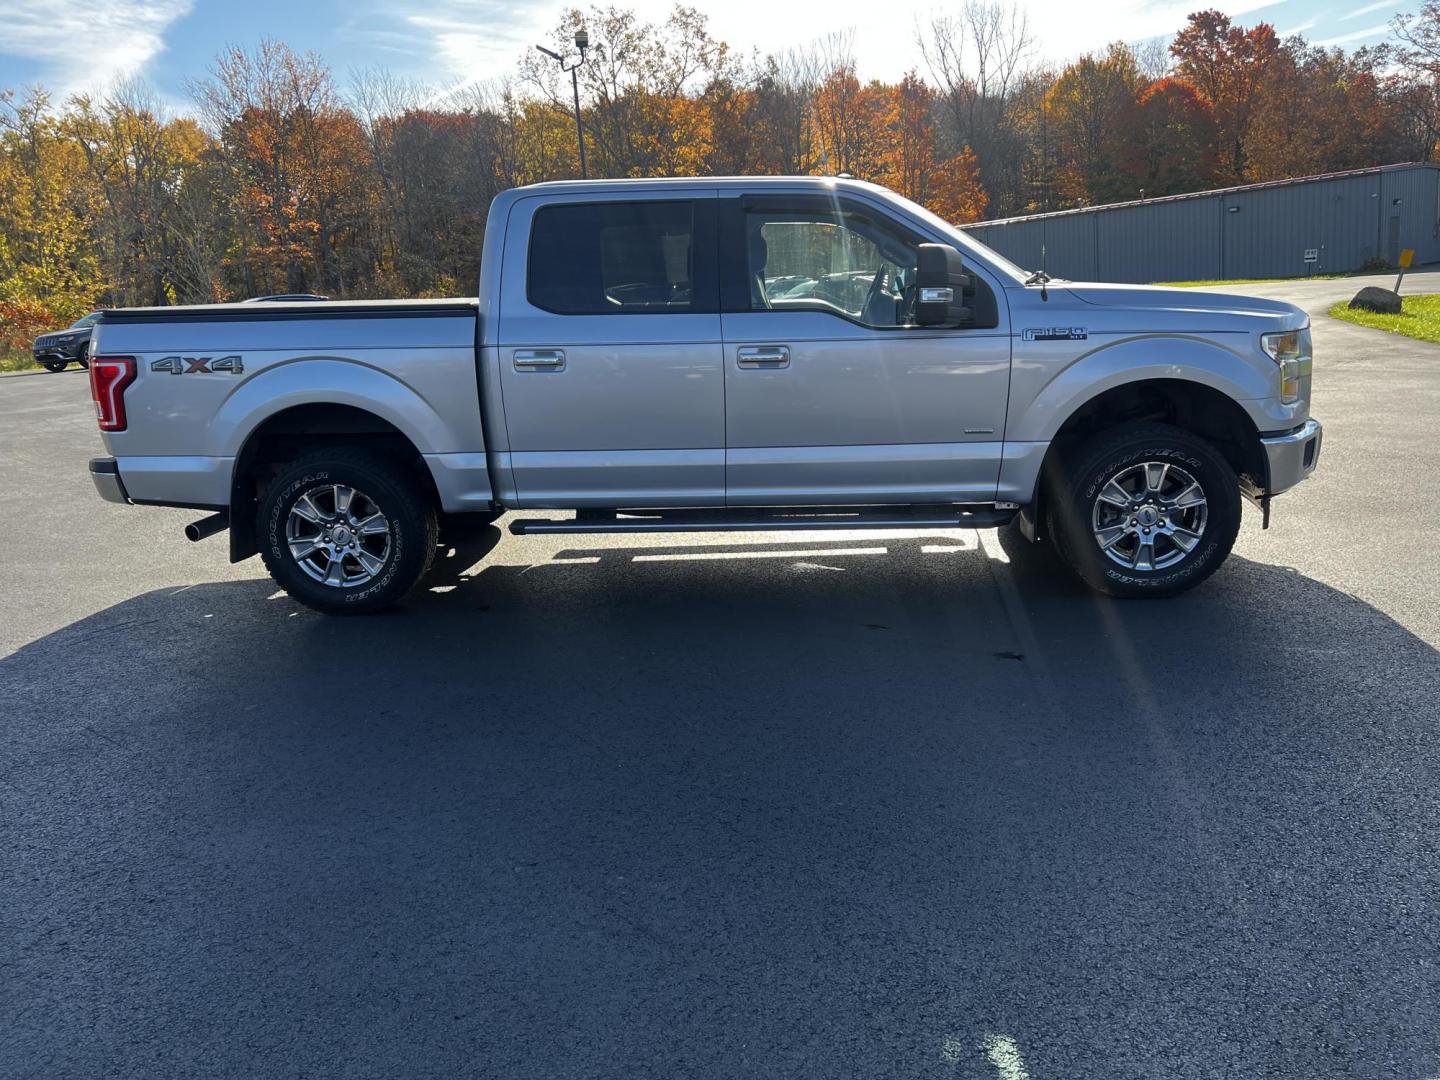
column 1420, row 317
column 17, row 360
column 1269, row 280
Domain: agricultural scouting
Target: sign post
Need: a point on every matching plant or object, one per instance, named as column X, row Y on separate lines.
column 1406, row 258
column 1312, row 256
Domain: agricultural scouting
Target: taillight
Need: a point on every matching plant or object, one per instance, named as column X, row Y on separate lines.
column 109, row 376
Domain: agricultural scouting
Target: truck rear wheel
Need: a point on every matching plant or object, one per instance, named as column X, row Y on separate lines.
column 1144, row 510
column 344, row 531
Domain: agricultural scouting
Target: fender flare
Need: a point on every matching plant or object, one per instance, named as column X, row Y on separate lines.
column 324, row 380
column 321, row 380
column 1136, row 360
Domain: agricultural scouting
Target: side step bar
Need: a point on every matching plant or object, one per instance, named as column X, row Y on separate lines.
column 750, row 519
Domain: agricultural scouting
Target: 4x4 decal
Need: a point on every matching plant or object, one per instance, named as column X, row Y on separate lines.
column 204, row 365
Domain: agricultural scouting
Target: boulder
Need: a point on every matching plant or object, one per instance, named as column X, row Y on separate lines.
column 1374, row 298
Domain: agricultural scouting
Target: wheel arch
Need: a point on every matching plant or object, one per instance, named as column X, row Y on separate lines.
column 1193, row 406
column 286, row 434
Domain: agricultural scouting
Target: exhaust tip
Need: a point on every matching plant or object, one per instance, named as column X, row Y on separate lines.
column 209, row 526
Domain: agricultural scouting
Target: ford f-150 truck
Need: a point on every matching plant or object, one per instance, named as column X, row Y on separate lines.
column 711, row 354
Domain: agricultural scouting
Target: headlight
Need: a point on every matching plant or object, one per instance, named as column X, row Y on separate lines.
column 1291, row 350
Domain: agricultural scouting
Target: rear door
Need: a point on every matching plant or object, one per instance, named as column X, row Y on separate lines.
column 611, row 368
column 833, row 395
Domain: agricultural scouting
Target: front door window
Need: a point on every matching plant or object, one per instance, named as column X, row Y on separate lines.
column 834, row 261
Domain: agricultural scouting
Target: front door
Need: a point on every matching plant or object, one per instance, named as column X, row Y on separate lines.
column 609, row 352
column 832, row 394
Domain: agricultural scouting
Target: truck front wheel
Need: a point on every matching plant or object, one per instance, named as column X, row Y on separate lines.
column 345, row 531
column 1144, row 510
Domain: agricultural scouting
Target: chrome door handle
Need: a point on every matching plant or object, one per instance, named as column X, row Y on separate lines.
column 763, row 356
column 539, row 360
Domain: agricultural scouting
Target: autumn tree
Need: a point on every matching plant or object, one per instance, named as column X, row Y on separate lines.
column 784, row 133
column 638, row 85
column 849, row 119
column 141, row 166
column 980, row 60
column 1349, row 124
column 1416, row 85
column 1170, row 147
column 1228, row 65
column 955, row 190
column 1091, row 112
column 295, row 159
column 49, row 263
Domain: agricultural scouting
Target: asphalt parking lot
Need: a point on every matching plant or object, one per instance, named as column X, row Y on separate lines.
column 872, row 805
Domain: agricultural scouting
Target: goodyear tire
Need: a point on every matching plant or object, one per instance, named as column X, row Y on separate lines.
column 345, row 531
column 1144, row 510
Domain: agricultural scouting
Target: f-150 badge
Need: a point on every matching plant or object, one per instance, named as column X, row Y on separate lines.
column 1055, row 333
column 204, row 365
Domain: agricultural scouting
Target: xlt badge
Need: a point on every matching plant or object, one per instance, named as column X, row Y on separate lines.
column 1055, row 333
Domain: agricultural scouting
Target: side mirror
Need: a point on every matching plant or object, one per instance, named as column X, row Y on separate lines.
column 942, row 283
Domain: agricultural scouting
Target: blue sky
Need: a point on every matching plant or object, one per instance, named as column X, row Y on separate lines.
column 71, row 45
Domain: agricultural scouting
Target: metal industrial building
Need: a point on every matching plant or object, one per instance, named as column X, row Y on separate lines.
column 1342, row 221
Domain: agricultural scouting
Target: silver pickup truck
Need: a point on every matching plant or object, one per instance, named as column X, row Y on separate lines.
column 713, row 354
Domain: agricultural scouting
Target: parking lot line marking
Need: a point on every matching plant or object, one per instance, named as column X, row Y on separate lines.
column 1004, row 1054
column 816, row 553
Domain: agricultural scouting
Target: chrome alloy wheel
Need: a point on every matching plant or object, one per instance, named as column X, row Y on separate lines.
column 338, row 535
column 1149, row 516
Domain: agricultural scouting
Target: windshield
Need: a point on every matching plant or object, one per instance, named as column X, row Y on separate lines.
column 88, row 320
column 963, row 240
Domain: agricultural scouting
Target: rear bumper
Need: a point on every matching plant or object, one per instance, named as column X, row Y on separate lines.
column 201, row 483
column 1292, row 457
column 105, row 473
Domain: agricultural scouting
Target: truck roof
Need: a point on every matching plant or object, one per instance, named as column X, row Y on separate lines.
column 652, row 183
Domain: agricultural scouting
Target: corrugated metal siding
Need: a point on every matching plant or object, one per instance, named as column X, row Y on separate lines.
column 1153, row 242
column 1241, row 233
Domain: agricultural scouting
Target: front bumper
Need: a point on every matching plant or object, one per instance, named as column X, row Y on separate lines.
column 1291, row 457
column 105, row 473
column 60, row 352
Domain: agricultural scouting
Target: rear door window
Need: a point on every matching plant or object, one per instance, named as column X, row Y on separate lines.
column 615, row 258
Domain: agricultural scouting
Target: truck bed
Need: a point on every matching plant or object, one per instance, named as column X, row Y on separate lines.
column 308, row 309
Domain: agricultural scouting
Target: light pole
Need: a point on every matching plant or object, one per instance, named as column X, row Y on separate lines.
column 582, row 42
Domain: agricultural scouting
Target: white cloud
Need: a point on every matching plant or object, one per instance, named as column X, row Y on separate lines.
column 1368, row 8
column 87, row 44
column 478, row 40
column 1358, row 35
column 453, row 42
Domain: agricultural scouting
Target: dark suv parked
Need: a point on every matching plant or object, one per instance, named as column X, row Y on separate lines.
column 54, row 351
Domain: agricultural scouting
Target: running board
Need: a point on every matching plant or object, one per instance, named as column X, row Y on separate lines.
column 758, row 520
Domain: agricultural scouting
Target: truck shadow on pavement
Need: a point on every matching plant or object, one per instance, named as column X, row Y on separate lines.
column 823, row 814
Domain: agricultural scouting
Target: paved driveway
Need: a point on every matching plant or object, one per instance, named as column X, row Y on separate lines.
column 822, row 806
